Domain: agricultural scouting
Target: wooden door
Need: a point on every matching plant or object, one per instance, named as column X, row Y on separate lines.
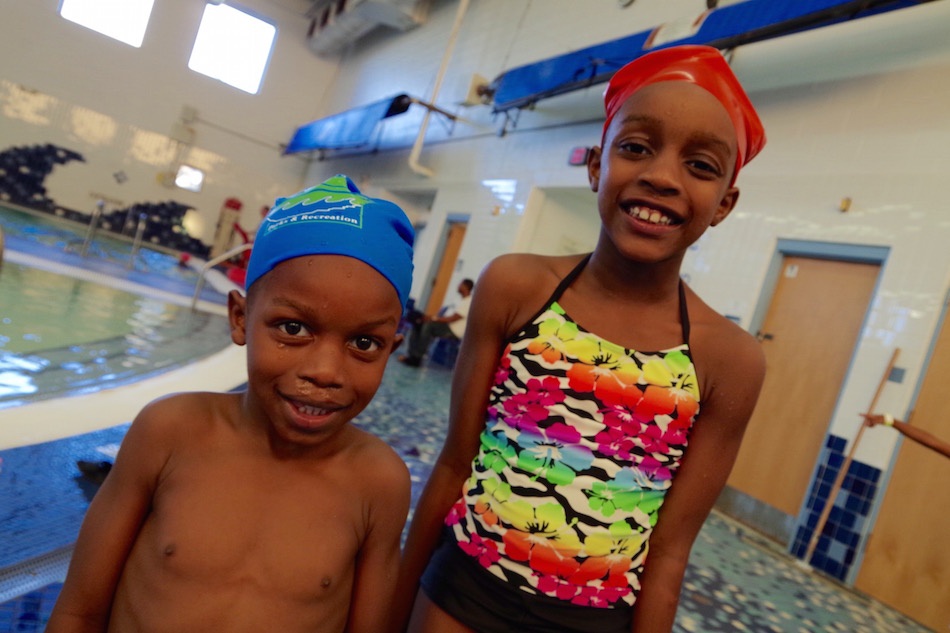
column 907, row 561
column 440, row 283
column 808, row 336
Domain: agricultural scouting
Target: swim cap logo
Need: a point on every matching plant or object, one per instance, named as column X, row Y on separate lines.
column 318, row 205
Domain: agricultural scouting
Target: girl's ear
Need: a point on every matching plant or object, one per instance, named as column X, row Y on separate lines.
column 726, row 205
column 593, row 167
column 237, row 317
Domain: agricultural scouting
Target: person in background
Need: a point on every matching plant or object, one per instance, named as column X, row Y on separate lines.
column 254, row 510
column 450, row 326
column 920, row 436
column 565, row 497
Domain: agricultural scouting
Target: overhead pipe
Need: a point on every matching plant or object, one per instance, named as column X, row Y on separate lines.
column 414, row 164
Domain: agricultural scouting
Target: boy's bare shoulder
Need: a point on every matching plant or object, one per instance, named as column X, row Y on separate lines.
column 377, row 469
column 376, row 456
column 197, row 404
column 188, row 412
column 166, row 425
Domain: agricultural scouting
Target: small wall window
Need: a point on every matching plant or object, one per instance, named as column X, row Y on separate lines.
column 125, row 21
column 232, row 46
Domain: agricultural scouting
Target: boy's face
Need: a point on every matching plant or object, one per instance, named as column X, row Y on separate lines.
column 662, row 177
column 319, row 330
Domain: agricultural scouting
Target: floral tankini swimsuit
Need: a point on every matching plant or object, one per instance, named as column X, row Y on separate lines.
column 581, row 443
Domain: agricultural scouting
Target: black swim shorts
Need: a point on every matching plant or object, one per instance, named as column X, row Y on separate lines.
column 461, row 587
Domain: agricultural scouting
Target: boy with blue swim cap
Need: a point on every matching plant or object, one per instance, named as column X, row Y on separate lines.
column 265, row 509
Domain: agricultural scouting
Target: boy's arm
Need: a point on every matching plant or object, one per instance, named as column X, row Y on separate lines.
column 377, row 565
column 471, row 384
column 110, row 528
column 737, row 370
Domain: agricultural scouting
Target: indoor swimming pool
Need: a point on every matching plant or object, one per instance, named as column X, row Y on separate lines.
column 103, row 318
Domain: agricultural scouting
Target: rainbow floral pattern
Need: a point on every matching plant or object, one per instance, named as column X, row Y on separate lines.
column 581, row 443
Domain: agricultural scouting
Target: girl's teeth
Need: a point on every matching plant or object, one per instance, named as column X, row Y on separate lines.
column 654, row 217
column 312, row 411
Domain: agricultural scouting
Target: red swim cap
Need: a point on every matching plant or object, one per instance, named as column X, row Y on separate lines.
column 701, row 65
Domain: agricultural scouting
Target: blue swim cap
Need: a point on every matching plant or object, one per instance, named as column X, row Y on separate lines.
column 334, row 218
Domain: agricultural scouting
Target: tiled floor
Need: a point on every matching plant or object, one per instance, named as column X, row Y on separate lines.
column 737, row 580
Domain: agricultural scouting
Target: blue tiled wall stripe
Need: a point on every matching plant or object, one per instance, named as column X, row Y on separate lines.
column 840, row 537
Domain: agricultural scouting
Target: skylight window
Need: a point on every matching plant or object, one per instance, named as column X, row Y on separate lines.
column 124, row 20
column 232, row 46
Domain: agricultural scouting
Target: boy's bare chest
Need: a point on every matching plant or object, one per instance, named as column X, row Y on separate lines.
column 232, row 521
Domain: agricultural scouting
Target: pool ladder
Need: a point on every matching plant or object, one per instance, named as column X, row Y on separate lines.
column 1, row 247
column 137, row 242
column 94, row 227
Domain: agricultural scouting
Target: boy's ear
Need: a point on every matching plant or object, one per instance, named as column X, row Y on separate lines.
column 397, row 341
column 593, row 167
column 726, row 205
column 237, row 317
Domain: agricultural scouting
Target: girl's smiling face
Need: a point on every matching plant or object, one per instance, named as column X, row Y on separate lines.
column 663, row 175
column 319, row 331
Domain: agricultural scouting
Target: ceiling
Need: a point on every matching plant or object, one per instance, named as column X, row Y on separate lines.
column 295, row 7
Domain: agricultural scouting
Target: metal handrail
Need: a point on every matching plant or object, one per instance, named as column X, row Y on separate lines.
column 137, row 242
column 93, row 226
column 214, row 262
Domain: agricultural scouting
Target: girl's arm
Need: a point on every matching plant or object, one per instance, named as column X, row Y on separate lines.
column 486, row 330
column 736, row 369
column 374, row 581
column 111, row 526
column 917, row 434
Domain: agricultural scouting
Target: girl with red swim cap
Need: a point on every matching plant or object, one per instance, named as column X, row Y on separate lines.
column 598, row 403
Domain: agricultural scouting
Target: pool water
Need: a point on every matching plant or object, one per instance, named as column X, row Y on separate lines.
column 60, row 335
column 43, row 310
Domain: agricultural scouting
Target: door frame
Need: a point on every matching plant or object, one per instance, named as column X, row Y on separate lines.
column 438, row 254
column 771, row 521
column 838, row 251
